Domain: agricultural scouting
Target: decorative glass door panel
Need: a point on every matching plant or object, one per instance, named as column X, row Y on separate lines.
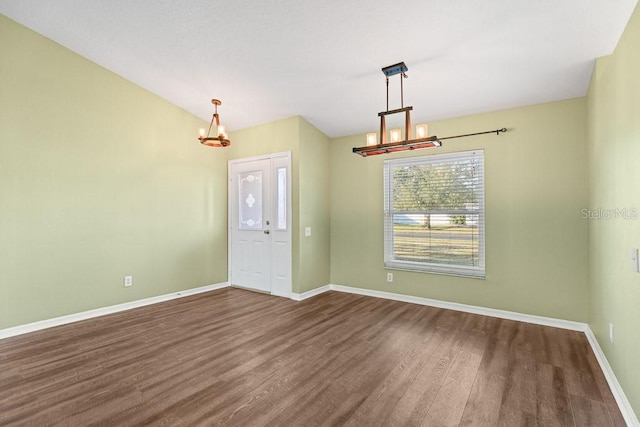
column 250, row 200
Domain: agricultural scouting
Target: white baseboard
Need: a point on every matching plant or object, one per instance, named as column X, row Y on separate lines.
column 201, row 289
column 492, row 312
column 311, row 293
column 621, row 399
column 76, row 317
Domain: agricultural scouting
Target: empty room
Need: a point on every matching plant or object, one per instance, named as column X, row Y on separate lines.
column 295, row 213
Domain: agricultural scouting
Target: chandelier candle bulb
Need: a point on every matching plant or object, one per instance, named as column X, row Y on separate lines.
column 202, row 132
column 396, row 135
column 372, row 139
column 222, row 131
column 422, row 131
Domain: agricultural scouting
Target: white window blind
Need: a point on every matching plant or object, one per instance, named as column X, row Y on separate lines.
column 434, row 213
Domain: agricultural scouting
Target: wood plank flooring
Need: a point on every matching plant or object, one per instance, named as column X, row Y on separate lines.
column 237, row 358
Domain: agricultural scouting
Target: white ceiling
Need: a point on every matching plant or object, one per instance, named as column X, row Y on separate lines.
column 271, row 59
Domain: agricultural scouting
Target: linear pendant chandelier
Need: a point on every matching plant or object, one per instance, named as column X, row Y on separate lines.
column 396, row 143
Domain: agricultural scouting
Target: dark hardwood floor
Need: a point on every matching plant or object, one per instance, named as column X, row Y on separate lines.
column 234, row 357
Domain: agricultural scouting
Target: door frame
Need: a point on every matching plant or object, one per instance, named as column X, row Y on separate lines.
column 284, row 154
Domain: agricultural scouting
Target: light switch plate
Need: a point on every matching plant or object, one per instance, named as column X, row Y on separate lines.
column 307, row 231
column 634, row 260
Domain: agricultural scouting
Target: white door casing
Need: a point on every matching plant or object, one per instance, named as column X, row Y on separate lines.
column 260, row 223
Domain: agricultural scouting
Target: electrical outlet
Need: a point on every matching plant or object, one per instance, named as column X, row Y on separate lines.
column 389, row 277
column 307, row 231
column 611, row 332
column 128, row 281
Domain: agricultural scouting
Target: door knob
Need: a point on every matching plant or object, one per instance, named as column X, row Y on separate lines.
column 266, row 231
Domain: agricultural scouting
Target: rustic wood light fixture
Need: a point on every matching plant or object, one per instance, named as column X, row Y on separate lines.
column 396, row 144
column 221, row 139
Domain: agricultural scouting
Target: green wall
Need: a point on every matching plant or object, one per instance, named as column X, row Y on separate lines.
column 310, row 167
column 315, row 152
column 536, row 186
column 614, row 177
column 98, row 179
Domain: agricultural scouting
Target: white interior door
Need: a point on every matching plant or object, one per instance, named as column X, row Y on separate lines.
column 260, row 224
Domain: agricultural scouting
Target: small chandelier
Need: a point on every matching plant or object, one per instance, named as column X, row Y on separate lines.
column 221, row 139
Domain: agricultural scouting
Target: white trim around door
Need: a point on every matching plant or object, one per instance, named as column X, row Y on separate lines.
column 260, row 223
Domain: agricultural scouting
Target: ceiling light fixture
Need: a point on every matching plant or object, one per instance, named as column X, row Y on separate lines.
column 423, row 140
column 221, row 139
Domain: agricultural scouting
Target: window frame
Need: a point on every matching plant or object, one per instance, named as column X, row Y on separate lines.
column 476, row 271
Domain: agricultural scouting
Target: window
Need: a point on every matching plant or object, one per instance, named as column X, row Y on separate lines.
column 434, row 213
column 282, row 199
